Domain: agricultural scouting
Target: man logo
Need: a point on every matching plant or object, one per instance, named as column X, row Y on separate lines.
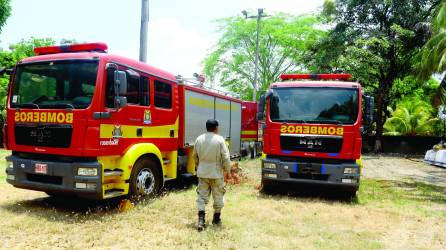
column 310, row 143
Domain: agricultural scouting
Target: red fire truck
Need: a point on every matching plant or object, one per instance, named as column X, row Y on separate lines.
column 312, row 130
column 251, row 142
column 84, row 122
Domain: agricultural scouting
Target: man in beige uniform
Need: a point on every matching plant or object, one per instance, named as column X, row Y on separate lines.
column 211, row 157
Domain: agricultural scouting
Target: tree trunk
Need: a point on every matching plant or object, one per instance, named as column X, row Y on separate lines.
column 379, row 119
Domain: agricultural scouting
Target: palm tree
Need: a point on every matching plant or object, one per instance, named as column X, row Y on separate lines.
column 433, row 55
column 412, row 116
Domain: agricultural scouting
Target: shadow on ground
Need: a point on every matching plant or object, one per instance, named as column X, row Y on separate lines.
column 412, row 190
column 72, row 209
column 280, row 191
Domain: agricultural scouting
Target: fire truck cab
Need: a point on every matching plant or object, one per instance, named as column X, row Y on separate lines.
column 312, row 128
column 84, row 122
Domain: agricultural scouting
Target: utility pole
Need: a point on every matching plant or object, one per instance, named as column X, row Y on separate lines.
column 143, row 31
column 256, row 61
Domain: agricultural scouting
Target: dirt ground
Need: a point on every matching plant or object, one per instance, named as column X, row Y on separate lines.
column 396, row 168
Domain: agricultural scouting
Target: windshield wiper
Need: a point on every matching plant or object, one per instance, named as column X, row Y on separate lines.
column 325, row 121
column 290, row 121
column 59, row 105
column 28, row 105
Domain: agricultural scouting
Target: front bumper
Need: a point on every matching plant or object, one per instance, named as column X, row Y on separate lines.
column 61, row 177
column 311, row 173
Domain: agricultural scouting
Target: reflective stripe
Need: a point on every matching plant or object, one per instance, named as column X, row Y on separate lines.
column 106, row 131
column 249, row 132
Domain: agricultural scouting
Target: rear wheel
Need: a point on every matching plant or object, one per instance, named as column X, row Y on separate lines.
column 254, row 152
column 145, row 180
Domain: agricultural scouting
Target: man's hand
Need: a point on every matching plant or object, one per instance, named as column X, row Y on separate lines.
column 227, row 176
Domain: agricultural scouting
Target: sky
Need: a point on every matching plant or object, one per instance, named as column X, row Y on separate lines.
column 180, row 32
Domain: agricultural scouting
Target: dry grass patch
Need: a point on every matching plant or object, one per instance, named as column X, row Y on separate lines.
column 386, row 214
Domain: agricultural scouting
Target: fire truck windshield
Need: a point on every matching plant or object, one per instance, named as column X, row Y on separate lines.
column 314, row 105
column 54, row 84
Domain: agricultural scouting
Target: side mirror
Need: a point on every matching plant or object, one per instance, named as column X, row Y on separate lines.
column 261, row 108
column 369, row 108
column 120, row 83
column 6, row 71
column 120, row 101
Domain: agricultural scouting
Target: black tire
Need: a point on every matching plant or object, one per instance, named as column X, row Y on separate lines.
column 350, row 194
column 145, row 180
column 253, row 151
column 267, row 187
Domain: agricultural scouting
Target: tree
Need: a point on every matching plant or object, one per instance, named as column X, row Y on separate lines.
column 377, row 41
column 5, row 12
column 433, row 55
column 282, row 42
column 8, row 59
column 413, row 116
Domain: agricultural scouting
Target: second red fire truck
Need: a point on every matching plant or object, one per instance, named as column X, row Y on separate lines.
column 312, row 130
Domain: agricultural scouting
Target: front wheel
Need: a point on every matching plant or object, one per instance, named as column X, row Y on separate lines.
column 145, row 180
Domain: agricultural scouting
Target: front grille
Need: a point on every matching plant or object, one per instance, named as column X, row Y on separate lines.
column 56, row 180
column 318, row 177
column 311, row 143
column 48, row 135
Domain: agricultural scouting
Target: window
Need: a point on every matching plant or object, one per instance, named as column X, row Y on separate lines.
column 145, row 94
column 58, row 85
column 314, row 105
column 137, row 89
column 163, row 95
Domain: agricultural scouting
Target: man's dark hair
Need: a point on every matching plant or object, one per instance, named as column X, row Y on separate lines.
column 211, row 125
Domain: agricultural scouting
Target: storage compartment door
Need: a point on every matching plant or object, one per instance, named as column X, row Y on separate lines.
column 198, row 109
column 223, row 116
column 236, row 127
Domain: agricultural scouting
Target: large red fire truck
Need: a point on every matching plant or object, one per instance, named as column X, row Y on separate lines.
column 96, row 125
column 312, row 130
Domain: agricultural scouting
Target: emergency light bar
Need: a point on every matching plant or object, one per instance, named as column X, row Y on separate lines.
column 87, row 47
column 315, row 76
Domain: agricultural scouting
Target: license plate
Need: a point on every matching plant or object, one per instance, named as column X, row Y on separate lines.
column 41, row 168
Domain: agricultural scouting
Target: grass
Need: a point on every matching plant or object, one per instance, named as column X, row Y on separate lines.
column 386, row 214
column 3, row 153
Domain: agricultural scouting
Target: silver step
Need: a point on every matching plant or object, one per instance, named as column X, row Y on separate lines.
column 113, row 173
column 112, row 194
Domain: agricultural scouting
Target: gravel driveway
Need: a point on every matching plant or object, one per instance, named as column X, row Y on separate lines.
column 396, row 168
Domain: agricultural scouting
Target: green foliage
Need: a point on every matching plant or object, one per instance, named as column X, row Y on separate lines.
column 5, row 12
column 9, row 58
column 413, row 116
column 377, row 41
column 411, row 86
column 283, row 40
column 433, row 55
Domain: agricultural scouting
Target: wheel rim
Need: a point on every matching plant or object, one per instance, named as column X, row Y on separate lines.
column 145, row 182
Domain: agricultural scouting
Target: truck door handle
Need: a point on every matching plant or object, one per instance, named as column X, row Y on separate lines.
column 172, row 133
column 101, row 115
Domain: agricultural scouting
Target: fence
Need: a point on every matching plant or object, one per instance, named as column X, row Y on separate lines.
column 401, row 144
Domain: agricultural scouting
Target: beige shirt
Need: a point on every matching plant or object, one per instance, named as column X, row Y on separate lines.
column 211, row 155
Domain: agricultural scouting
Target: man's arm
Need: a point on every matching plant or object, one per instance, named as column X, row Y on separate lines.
column 225, row 158
column 195, row 154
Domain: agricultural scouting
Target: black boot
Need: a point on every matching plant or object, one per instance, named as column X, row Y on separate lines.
column 201, row 220
column 216, row 220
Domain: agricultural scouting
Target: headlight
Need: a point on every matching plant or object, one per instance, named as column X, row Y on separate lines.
column 351, row 170
column 269, row 165
column 10, row 164
column 87, row 171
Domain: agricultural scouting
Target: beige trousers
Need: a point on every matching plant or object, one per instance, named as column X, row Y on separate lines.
column 205, row 188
